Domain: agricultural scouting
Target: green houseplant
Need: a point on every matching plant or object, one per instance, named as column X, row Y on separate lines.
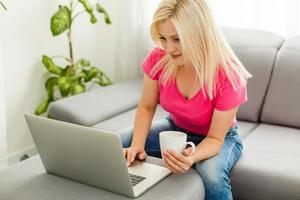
column 71, row 79
column 3, row 5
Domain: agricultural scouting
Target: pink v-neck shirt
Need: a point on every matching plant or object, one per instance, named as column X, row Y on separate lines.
column 194, row 114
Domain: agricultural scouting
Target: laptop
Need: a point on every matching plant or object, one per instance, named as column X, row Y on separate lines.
column 91, row 156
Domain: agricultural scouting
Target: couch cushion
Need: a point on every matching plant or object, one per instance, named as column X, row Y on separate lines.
column 126, row 120
column 261, row 176
column 274, row 139
column 269, row 166
column 245, row 128
column 257, row 51
column 259, row 62
column 28, row 180
column 97, row 105
column 283, row 97
column 251, row 38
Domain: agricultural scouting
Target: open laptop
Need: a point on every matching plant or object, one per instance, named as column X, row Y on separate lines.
column 91, row 156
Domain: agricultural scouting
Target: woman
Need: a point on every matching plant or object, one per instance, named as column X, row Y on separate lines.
column 195, row 76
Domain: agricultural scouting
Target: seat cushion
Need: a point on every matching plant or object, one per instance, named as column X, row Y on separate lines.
column 245, row 128
column 269, row 165
column 283, row 97
column 28, row 180
column 126, row 119
column 274, row 139
column 261, row 176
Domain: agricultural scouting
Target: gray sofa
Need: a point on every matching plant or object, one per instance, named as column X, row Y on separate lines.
column 269, row 122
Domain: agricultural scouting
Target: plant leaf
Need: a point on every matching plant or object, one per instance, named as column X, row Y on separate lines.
column 84, row 62
column 67, row 71
column 102, row 79
column 77, row 77
column 89, row 9
column 100, row 9
column 51, row 82
column 102, row 82
column 51, row 66
column 86, row 4
column 77, row 88
column 61, row 20
column 3, row 5
column 42, row 108
column 91, row 73
column 50, row 85
column 64, row 84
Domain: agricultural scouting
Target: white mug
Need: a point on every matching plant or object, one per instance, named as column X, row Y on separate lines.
column 174, row 140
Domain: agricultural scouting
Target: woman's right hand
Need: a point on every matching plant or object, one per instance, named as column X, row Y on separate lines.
column 133, row 152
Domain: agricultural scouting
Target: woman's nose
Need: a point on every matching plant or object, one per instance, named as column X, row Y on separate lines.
column 170, row 47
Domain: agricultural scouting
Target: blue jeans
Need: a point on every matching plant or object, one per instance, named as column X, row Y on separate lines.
column 213, row 171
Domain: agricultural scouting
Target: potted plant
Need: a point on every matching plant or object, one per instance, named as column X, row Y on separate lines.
column 71, row 79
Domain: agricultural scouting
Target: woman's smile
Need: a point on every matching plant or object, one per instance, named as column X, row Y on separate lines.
column 176, row 56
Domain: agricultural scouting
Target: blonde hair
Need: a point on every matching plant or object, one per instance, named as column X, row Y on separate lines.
column 202, row 43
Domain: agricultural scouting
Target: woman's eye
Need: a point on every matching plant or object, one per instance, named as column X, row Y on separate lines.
column 176, row 40
column 162, row 38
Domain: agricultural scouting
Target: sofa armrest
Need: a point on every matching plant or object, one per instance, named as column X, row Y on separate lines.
column 97, row 105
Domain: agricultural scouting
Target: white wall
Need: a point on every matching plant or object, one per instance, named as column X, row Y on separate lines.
column 25, row 36
column 277, row 16
column 3, row 140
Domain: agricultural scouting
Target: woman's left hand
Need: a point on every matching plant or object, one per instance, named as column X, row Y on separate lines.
column 177, row 163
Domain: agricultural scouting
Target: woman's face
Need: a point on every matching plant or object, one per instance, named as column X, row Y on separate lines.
column 170, row 41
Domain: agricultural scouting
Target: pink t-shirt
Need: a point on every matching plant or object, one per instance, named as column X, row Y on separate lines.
column 194, row 114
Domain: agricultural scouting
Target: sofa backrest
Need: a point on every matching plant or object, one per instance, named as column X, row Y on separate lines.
column 283, row 96
column 257, row 50
column 92, row 107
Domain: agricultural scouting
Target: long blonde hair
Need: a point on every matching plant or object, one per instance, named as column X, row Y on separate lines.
column 202, row 43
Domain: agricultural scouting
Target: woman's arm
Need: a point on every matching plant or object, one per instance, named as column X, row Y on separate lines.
column 212, row 144
column 209, row 147
column 143, row 119
column 145, row 111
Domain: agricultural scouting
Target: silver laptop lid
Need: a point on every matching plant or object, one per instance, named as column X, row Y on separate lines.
column 76, row 152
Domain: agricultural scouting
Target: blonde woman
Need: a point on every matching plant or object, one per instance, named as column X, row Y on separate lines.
column 195, row 76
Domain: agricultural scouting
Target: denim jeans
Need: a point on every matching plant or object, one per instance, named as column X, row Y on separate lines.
column 213, row 171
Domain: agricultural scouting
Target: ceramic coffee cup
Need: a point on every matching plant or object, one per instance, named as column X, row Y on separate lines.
column 174, row 140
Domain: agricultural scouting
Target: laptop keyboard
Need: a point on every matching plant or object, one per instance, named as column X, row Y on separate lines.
column 135, row 179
